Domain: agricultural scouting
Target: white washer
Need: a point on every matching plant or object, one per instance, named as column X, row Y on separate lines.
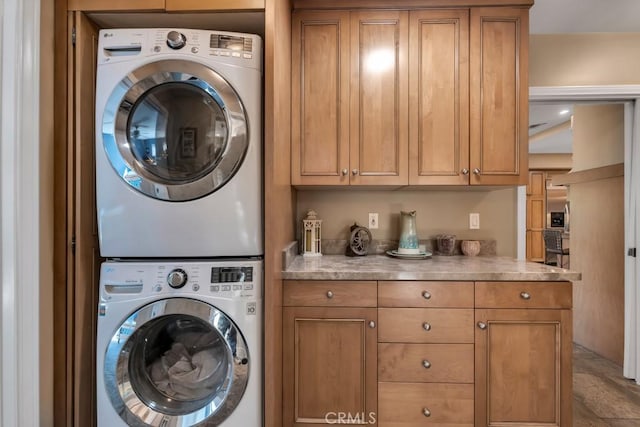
column 179, row 143
column 179, row 344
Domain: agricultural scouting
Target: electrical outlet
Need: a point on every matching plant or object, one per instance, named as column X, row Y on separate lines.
column 373, row 221
column 474, row 221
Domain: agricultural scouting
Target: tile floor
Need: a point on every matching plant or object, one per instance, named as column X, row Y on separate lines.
column 602, row 397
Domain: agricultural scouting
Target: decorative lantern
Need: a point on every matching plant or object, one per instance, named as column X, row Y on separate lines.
column 311, row 235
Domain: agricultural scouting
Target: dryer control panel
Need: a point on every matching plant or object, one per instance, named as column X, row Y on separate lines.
column 240, row 49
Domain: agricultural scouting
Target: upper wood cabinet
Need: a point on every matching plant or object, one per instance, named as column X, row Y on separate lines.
column 349, row 114
column 426, row 97
column 438, row 97
column 499, row 95
column 378, row 120
column 320, row 98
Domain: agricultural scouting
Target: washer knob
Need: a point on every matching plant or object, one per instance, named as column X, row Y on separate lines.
column 177, row 278
column 176, row 40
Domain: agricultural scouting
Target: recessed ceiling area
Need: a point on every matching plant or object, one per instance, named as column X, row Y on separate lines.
column 550, row 128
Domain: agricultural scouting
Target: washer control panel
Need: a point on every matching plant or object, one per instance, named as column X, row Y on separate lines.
column 224, row 279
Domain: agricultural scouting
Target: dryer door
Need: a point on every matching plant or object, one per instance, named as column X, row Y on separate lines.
column 175, row 130
column 176, row 362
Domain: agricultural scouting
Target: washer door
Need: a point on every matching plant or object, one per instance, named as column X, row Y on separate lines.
column 176, row 363
column 175, row 130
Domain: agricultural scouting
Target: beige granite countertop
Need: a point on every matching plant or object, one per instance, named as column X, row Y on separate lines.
column 382, row 267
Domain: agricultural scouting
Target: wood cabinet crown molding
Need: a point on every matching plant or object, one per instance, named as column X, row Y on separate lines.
column 403, row 4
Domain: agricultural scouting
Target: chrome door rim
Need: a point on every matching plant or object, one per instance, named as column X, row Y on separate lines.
column 134, row 86
column 135, row 411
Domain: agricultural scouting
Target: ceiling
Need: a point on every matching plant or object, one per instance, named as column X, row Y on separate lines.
column 571, row 16
column 584, row 16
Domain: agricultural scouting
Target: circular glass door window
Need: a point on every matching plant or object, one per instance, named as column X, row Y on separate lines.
column 175, row 130
column 180, row 362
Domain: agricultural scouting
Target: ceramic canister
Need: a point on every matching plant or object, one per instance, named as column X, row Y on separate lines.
column 408, row 236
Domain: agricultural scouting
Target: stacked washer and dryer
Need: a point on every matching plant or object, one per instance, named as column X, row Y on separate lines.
column 179, row 206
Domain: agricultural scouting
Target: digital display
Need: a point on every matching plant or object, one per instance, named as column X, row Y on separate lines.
column 231, row 274
column 220, row 41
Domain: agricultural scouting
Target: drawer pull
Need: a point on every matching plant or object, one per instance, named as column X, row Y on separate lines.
column 426, row 326
column 426, row 364
column 426, row 295
column 525, row 295
column 372, row 324
column 345, row 171
column 482, row 325
column 426, row 412
column 329, row 294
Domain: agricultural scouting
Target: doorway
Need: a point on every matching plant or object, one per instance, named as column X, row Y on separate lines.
column 604, row 94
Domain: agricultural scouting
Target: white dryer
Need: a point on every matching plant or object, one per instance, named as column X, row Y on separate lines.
column 179, row 143
column 179, row 344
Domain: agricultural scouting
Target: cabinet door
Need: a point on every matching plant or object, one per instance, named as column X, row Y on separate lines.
column 115, row 5
column 523, row 368
column 330, row 365
column 213, row 5
column 379, row 141
column 536, row 216
column 439, row 97
column 499, row 99
column 320, row 98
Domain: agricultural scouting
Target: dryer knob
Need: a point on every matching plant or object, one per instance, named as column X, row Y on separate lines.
column 177, row 278
column 176, row 40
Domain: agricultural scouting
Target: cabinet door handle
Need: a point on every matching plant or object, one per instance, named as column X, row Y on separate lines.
column 345, row 171
column 354, row 171
column 372, row 324
column 426, row 364
column 426, row 412
column 476, row 171
column 525, row 295
column 465, row 171
column 329, row 294
column 482, row 325
column 426, row 295
column 426, row 326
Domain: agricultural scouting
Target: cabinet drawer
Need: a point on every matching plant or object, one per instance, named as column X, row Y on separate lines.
column 425, row 325
column 329, row 293
column 439, row 363
column 425, row 294
column 523, row 294
column 416, row 404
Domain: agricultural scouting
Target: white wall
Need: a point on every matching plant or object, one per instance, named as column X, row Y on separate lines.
column 20, row 215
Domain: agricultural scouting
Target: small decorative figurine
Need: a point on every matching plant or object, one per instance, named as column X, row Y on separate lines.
column 359, row 241
column 311, row 235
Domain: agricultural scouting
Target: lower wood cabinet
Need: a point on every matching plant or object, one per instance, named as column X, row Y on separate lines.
column 330, row 365
column 457, row 354
column 523, row 342
column 523, row 368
